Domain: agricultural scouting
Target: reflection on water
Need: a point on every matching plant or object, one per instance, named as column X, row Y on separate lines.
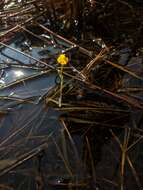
column 34, row 148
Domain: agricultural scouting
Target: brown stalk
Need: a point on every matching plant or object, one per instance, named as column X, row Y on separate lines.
column 85, row 72
column 27, row 55
column 128, row 160
column 81, row 49
column 125, row 69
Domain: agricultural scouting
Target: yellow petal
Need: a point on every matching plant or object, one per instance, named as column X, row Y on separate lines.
column 62, row 59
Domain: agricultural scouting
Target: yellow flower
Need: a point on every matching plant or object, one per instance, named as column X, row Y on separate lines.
column 62, row 59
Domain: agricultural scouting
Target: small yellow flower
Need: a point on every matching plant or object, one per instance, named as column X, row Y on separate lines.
column 62, row 59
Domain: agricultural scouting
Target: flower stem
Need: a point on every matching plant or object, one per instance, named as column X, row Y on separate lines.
column 61, row 84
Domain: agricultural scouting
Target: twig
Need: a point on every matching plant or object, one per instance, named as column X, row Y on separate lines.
column 81, row 49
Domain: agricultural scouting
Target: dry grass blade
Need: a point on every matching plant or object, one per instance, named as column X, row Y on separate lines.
column 127, row 99
column 135, row 143
column 129, row 161
column 84, row 121
column 123, row 157
column 81, row 49
column 25, row 79
column 131, row 101
column 27, row 55
column 128, row 90
column 125, row 69
column 78, row 161
column 91, row 159
column 69, row 170
column 85, row 72
column 71, row 108
column 134, row 173
column 17, row 27
column 3, row 112
column 24, row 158
column 19, row 130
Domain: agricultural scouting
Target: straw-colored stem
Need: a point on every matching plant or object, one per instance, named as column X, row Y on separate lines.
column 61, row 85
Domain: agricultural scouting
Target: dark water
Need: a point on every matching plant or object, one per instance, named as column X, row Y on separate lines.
column 35, row 150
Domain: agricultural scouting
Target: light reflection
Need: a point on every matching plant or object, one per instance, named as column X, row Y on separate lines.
column 2, row 83
column 18, row 73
